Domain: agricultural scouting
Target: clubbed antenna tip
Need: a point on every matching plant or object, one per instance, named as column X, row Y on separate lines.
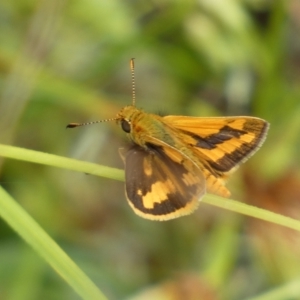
column 73, row 125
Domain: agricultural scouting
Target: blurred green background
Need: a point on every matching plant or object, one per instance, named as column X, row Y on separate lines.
column 68, row 61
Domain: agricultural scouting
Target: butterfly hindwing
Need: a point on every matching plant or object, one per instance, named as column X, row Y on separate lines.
column 158, row 187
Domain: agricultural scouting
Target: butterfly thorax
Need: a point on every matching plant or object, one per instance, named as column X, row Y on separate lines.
column 141, row 126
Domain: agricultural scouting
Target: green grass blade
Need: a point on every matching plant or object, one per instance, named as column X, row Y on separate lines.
column 252, row 211
column 40, row 241
column 90, row 168
column 60, row 162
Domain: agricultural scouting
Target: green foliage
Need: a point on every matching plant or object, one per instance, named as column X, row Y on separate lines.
column 69, row 61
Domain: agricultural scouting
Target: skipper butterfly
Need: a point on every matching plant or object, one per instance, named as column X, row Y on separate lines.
column 174, row 160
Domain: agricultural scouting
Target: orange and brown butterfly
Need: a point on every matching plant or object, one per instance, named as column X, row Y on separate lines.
column 174, row 160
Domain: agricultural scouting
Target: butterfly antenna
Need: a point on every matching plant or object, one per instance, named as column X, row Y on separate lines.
column 73, row 125
column 132, row 80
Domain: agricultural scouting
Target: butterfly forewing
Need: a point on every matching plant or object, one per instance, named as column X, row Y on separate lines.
column 159, row 188
column 223, row 143
column 220, row 145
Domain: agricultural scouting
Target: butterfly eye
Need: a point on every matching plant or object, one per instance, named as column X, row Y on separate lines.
column 125, row 126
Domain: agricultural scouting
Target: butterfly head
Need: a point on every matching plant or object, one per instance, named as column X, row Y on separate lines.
column 126, row 116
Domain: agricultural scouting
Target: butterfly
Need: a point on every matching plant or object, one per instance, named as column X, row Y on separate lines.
column 174, row 160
